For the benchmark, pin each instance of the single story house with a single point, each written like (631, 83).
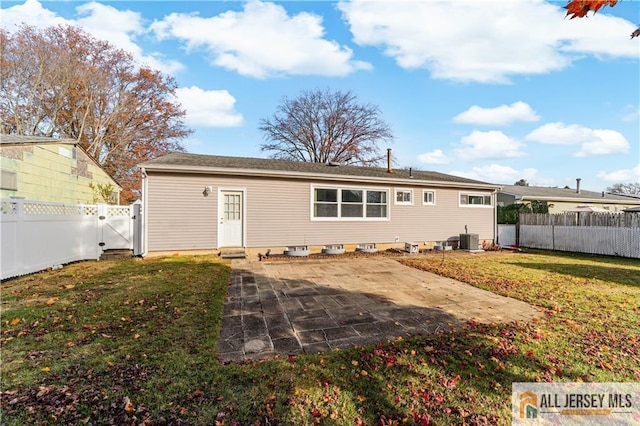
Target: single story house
(203, 202)
(47, 169)
(560, 200)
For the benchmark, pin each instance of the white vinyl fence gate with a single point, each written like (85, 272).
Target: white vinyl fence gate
(37, 235)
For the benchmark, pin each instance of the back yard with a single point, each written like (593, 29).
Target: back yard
(134, 342)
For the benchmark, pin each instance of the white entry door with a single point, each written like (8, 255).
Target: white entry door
(231, 219)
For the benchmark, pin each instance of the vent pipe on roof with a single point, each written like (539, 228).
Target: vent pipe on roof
(389, 168)
(578, 185)
(410, 172)
(602, 194)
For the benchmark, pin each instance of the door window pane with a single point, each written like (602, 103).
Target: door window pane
(232, 207)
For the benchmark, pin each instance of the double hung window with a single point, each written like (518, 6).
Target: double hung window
(475, 200)
(349, 203)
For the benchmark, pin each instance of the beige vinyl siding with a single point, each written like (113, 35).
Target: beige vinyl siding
(179, 217)
(278, 213)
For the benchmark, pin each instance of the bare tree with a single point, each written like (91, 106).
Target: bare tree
(326, 126)
(625, 188)
(521, 182)
(62, 82)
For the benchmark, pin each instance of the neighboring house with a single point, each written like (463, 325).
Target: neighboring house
(47, 169)
(562, 200)
(195, 202)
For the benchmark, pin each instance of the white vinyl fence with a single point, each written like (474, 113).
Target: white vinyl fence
(37, 235)
(606, 234)
(507, 235)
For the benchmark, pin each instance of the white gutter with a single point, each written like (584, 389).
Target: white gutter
(314, 176)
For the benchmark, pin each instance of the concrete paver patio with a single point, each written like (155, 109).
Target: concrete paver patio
(288, 307)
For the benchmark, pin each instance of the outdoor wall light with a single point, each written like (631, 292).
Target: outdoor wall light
(207, 191)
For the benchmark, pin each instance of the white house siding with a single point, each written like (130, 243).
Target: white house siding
(278, 214)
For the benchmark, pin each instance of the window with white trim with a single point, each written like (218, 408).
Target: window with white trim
(8, 180)
(377, 204)
(352, 203)
(349, 204)
(475, 200)
(428, 198)
(325, 202)
(404, 197)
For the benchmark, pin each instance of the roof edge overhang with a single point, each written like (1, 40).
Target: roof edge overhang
(168, 168)
(578, 200)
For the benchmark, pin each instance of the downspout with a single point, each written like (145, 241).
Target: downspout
(144, 213)
(494, 195)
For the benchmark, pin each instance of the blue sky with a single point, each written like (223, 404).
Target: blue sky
(488, 89)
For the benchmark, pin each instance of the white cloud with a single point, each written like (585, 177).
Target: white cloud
(496, 173)
(592, 141)
(118, 27)
(621, 176)
(262, 41)
(208, 108)
(30, 12)
(605, 142)
(559, 134)
(488, 145)
(484, 41)
(434, 157)
(502, 115)
(632, 114)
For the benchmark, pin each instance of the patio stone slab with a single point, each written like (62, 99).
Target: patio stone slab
(283, 308)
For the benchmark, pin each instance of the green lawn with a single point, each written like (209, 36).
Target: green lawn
(134, 342)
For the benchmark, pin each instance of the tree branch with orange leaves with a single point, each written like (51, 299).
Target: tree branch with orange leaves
(580, 9)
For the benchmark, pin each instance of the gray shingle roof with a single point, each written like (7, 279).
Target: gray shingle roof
(15, 139)
(533, 192)
(184, 161)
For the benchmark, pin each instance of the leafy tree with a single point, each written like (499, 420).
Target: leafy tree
(625, 188)
(521, 182)
(580, 9)
(539, 206)
(326, 126)
(510, 214)
(102, 192)
(62, 82)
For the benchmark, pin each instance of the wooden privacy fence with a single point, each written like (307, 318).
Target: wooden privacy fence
(614, 234)
(36, 235)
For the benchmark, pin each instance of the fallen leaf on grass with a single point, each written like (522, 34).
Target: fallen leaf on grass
(128, 405)
(46, 369)
(51, 301)
(14, 321)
